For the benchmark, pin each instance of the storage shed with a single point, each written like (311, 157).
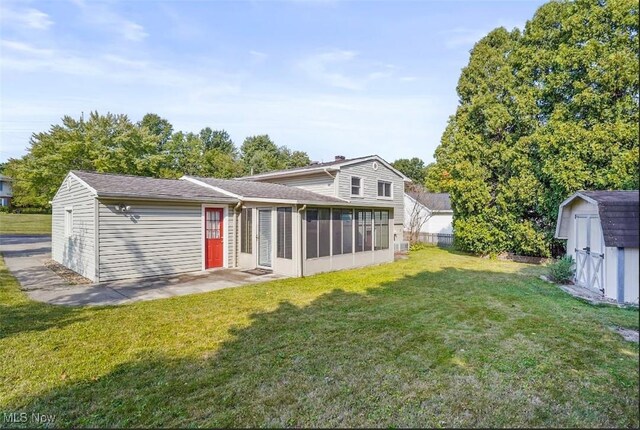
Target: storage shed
(602, 233)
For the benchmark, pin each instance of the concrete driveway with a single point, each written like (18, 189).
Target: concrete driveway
(25, 257)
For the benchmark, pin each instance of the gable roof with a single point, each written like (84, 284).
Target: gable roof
(619, 213)
(259, 191)
(435, 202)
(330, 166)
(112, 185)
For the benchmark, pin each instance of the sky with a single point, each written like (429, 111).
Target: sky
(327, 77)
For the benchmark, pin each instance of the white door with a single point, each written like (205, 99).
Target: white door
(589, 252)
(264, 237)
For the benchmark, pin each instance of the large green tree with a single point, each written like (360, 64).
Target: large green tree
(541, 114)
(413, 168)
(260, 154)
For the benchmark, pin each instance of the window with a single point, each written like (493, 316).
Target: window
(246, 236)
(364, 233)
(384, 189)
(381, 229)
(284, 233)
(68, 222)
(342, 220)
(1, 185)
(356, 186)
(318, 233)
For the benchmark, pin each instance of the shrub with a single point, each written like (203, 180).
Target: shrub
(561, 270)
(417, 246)
(4, 209)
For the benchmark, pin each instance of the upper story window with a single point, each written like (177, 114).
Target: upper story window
(356, 186)
(384, 189)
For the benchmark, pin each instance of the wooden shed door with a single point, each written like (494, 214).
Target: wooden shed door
(589, 252)
(213, 234)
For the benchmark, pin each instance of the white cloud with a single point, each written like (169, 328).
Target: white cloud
(100, 14)
(459, 37)
(30, 18)
(25, 49)
(324, 68)
(258, 57)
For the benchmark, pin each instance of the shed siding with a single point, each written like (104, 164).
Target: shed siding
(370, 179)
(631, 274)
(152, 239)
(76, 252)
(318, 183)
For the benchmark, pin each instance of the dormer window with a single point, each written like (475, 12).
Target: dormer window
(356, 186)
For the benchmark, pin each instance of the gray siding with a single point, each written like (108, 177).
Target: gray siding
(152, 239)
(318, 183)
(76, 252)
(370, 178)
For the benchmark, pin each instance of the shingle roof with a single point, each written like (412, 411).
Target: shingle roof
(264, 190)
(619, 216)
(111, 185)
(432, 201)
(335, 164)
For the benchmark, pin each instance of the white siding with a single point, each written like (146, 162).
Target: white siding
(77, 252)
(577, 207)
(318, 183)
(151, 239)
(433, 222)
(631, 274)
(370, 179)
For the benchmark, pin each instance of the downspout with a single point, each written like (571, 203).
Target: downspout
(236, 211)
(620, 275)
(301, 241)
(327, 172)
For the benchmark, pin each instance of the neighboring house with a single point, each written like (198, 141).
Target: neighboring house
(108, 227)
(6, 191)
(427, 212)
(602, 233)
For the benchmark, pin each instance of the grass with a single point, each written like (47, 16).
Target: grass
(440, 339)
(25, 224)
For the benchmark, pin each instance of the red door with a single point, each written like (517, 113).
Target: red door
(213, 246)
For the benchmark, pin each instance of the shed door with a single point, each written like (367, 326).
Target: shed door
(213, 234)
(589, 252)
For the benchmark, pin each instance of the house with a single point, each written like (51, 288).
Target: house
(6, 191)
(602, 233)
(427, 212)
(108, 227)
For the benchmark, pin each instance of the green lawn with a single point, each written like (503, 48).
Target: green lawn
(440, 339)
(25, 224)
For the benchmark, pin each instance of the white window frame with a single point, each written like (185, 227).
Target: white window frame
(68, 221)
(361, 186)
(390, 197)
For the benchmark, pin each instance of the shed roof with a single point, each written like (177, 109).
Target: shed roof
(437, 202)
(112, 185)
(247, 190)
(619, 213)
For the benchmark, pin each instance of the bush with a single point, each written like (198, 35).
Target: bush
(4, 209)
(562, 270)
(417, 246)
(32, 210)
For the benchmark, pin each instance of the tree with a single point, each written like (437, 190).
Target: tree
(260, 154)
(413, 168)
(157, 126)
(415, 212)
(541, 115)
(104, 143)
(217, 139)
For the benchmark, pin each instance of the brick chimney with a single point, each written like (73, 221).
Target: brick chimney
(340, 158)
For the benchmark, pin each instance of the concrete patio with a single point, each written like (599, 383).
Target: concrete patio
(25, 257)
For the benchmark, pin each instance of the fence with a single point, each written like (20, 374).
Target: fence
(439, 239)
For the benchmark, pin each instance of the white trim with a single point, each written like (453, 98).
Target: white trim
(390, 190)
(564, 204)
(83, 183)
(68, 222)
(204, 184)
(361, 194)
(225, 235)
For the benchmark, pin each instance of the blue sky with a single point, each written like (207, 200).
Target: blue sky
(326, 77)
